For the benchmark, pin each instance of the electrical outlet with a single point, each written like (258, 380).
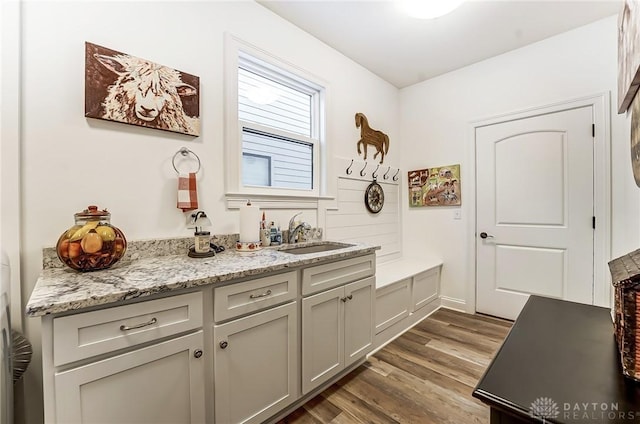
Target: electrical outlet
(457, 214)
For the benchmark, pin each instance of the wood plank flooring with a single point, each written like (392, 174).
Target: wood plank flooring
(425, 376)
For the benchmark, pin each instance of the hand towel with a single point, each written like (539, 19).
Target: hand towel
(187, 192)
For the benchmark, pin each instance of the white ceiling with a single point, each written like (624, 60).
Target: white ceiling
(404, 50)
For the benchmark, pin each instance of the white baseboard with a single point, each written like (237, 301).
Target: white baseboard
(453, 303)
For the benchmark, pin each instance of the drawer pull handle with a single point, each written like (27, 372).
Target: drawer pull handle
(133, 327)
(256, 296)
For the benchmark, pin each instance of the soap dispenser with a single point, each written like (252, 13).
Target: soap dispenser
(202, 239)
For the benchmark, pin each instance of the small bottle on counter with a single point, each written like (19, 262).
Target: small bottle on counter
(265, 237)
(202, 241)
(276, 235)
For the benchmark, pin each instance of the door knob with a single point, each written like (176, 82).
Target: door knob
(485, 235)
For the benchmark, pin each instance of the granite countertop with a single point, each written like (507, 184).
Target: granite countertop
(63, 289)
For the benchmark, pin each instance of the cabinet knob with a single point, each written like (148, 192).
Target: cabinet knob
(344, 299)
(224, 344)
(197, 353)
(350, 297)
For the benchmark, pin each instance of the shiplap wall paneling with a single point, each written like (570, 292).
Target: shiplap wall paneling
(352, 222)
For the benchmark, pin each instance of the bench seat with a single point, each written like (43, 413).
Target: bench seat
(407, 291)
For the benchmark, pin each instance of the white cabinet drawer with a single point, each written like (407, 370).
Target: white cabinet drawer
(323, 277)
(251, 296)
(93, 333)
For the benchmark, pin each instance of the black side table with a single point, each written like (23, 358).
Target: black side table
(559, 364)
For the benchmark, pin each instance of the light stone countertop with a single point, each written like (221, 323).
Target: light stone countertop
(63, 289)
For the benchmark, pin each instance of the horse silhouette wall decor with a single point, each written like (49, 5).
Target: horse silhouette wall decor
(368, 135)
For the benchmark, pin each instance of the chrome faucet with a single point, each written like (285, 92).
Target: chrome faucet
(294, 230)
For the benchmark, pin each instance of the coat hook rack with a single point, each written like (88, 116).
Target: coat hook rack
(385, 174)
(373, 174)
(395, 177)
(362, 173)
(349, 171)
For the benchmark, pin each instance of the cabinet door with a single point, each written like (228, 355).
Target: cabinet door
(162, 383)
(256, 363)
(322, 337)
(392, 304)
(425, 288)
(359, 319)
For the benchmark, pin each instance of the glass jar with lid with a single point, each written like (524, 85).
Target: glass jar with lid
(92, 243)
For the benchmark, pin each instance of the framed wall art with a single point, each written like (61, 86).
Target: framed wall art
(435, 186)
(635, 139)
(628, 53)
(127, 89)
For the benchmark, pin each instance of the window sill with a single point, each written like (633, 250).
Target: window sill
(275, 201)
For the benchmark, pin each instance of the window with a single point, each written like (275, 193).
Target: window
(278, 114)
(288, 164)
(275, 122)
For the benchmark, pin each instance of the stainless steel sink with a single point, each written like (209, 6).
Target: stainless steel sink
(314, 248)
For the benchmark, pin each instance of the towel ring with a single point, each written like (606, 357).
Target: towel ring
(184, 152)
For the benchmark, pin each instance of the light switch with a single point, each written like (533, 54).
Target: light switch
(457, 214)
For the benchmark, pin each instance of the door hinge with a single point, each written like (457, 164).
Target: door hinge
(593, 222)
(593, 130)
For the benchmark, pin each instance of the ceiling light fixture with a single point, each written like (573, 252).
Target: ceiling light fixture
(428, 9)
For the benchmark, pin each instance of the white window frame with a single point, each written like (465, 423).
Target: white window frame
(236, 192)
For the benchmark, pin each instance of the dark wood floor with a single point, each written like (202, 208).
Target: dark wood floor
(425, 376)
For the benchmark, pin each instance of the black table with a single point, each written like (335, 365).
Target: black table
(559, 362)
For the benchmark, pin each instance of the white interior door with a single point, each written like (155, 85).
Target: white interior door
(535, 202)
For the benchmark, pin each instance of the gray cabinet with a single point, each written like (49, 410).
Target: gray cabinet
(132, 363)
(238, 352)
(337, 330)
(161, 383)
(256, 365)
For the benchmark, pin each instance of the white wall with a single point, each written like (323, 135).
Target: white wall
(70, 161)
(436, 117)
(10, 148)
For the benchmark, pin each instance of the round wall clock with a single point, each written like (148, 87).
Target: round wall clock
(374, 197)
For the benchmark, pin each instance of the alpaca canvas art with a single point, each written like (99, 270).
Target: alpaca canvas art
(124, 88)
